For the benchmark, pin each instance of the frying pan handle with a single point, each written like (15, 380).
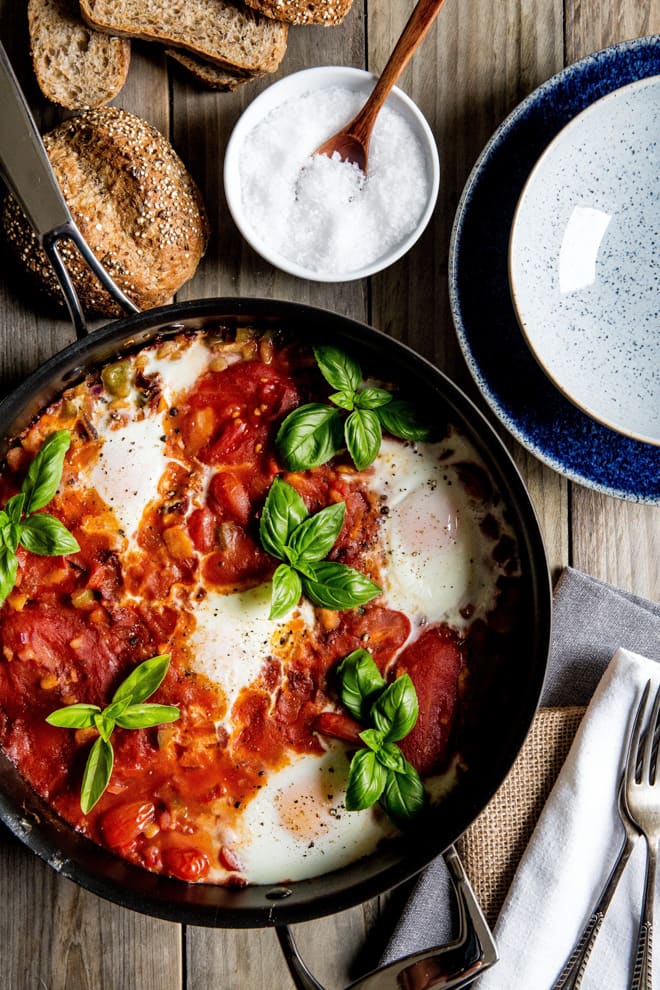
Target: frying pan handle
(447, 967)
(26, 169)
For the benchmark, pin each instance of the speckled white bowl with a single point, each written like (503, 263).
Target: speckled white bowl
(584, 260)
(296, 85)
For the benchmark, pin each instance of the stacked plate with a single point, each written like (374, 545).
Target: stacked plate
(554, 272)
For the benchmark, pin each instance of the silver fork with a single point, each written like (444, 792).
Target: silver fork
(572, 974)
(643, 803)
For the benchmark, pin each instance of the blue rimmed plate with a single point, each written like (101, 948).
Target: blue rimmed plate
(513, 384)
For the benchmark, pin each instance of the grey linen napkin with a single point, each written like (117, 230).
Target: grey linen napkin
(591, 621)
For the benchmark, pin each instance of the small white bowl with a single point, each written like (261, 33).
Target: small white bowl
(295, 86)
(583, 260)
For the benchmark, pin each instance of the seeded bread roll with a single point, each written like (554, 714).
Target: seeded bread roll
(134, 202)
(327, 12)
(211, 76)
(224, 33)
(75, 66)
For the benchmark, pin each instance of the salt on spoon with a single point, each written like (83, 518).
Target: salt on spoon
(351, 144)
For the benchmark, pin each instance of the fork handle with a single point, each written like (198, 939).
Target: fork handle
(642, 978)
(572, 974)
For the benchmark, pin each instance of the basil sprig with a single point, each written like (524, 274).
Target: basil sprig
(128, 710)
(380, 772)
(22, 523)
(313, 433)
(301, 542)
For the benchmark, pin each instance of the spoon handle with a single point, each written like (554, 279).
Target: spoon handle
(411, 37)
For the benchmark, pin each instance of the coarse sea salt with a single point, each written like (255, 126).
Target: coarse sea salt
(324, 214)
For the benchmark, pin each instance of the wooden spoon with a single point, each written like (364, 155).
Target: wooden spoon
(352, 142)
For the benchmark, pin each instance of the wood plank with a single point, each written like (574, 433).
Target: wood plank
(591, 25)
(617, 541)
(55, 934)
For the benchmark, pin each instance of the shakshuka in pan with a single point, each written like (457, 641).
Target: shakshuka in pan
(246, 589)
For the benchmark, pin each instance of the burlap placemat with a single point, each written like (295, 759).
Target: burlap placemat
(493, 845)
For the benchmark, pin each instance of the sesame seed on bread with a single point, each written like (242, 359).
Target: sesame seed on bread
(134, 202)
(75, 66)
(227, 34)
(327, 12)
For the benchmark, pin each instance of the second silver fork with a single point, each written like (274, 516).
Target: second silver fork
(642, 792)
(573, 972)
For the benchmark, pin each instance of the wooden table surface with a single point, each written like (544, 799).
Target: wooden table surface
(479, 60)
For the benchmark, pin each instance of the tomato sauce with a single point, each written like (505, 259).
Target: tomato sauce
(75, 626)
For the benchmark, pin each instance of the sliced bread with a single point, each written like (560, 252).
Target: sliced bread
(134, 202)
(217, 31)
(327, 12)
(209, 75)
(75, 66)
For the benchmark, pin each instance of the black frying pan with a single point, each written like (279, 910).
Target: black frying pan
(507, 710)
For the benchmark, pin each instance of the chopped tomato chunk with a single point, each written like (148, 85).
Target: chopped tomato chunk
(122, 824)
(186, 863)
(434, 661)
(339, 726)
(202, 527)
(229, 495)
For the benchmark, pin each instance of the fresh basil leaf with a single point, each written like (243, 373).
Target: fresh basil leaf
(401, 420)
(315, 537)
(366, 781)
(10, 536)
(338, 586)
(360, 680)
(403, 796)
(303, 567)
(8, 571)
(373, 739)
(391, 756)
(287, 589)
(309, 436)
(14, 507)
(364, 436)
(283, 512)
(144, 716)
(339, 369)
(395, 711)
(117, 708)
(78, 716)
(345, 399)
(96, 777)
(45, 535)
(104, 725)
(372, 398)
(45, 471)
(143, 680)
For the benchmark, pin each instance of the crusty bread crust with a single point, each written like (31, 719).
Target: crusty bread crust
(229, 35)
(209, 75)
(327, 12)
(76, 66)
(134, 202)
